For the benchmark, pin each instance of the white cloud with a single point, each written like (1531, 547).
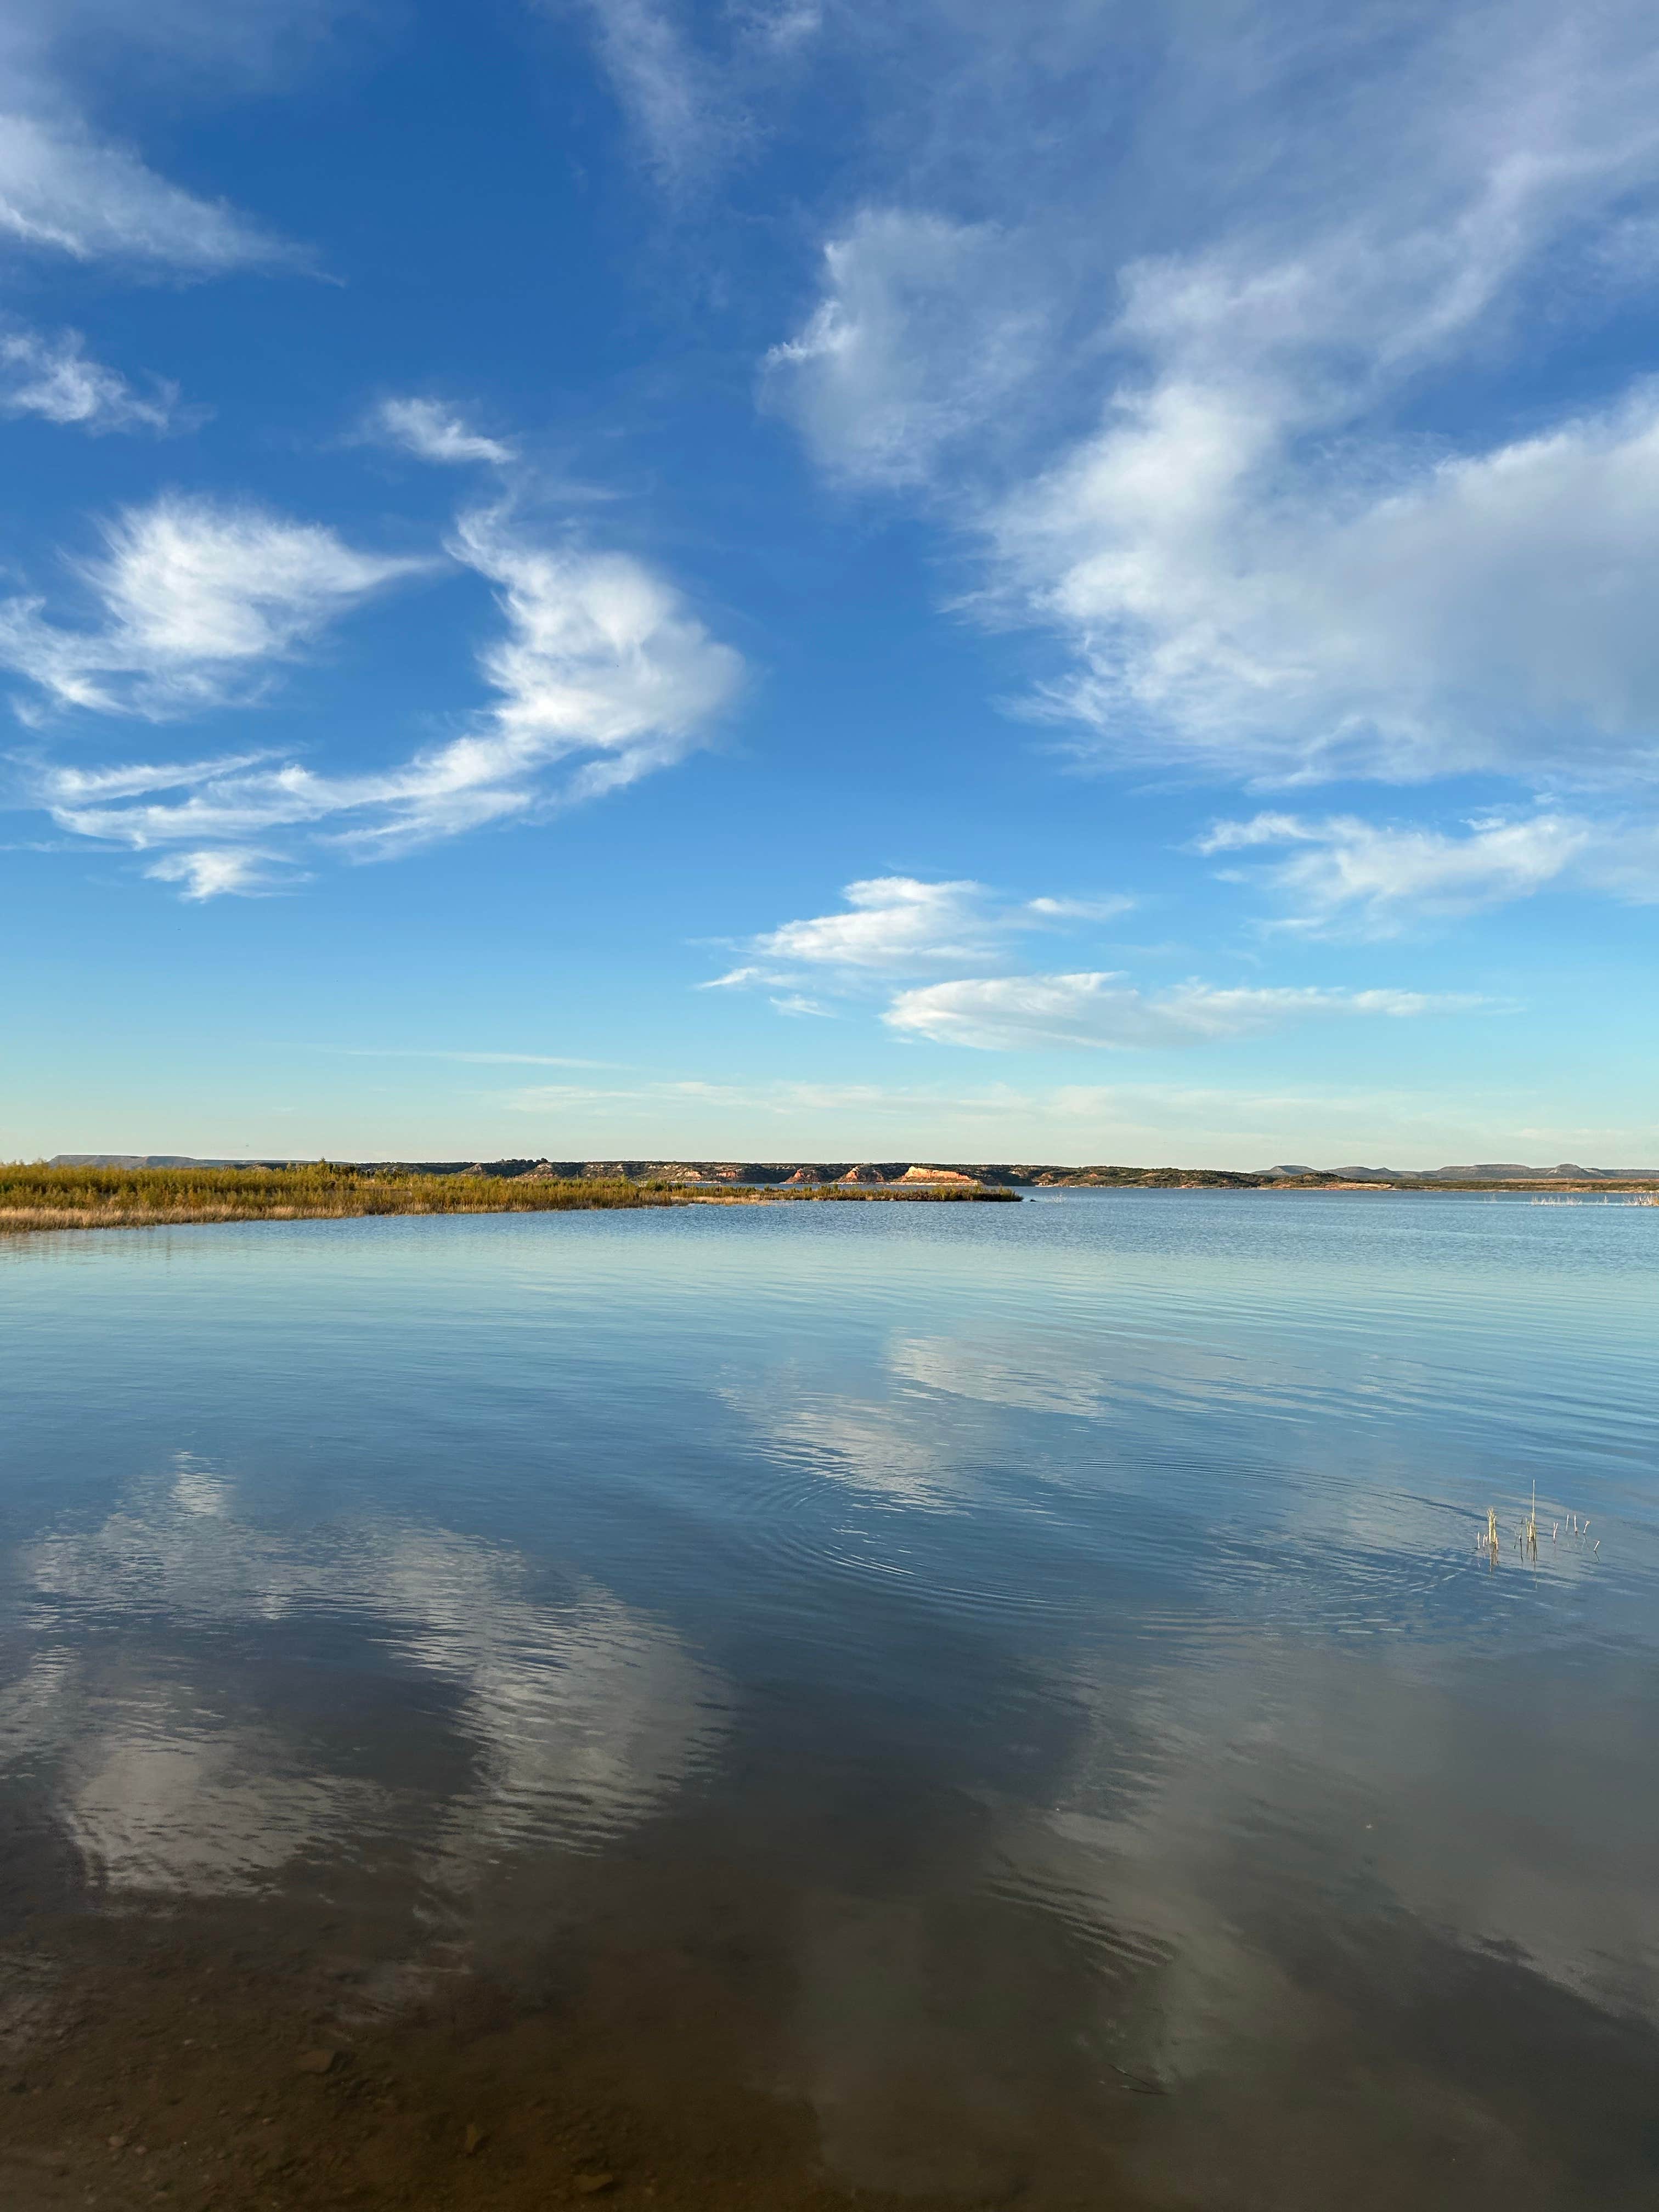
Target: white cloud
(697, 87)
(601, 671)
(1161, 382)
(670, 95)
(1100, 1009)
(895, 921)
(1344, 873)
(133, 778)
(63, 190)
(1075, 909)
(898, 924)
(197, 597)
(737, 979)
(209, 873)
(54, 377)
(432, 432)
(600, 654)
(921, 330)
(67, 187)
(1492, 612)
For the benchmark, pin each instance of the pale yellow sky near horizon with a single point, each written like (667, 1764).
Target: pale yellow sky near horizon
(1128, 1125)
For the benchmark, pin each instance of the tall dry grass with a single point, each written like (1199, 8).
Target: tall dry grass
(39, 1197)
(42, 1197)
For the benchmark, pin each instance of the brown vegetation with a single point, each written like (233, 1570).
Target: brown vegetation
(111, 1197)
(48, 1197)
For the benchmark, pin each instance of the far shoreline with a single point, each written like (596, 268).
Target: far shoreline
(67, 1195)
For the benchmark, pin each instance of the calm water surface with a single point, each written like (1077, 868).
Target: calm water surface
(1063, 1625)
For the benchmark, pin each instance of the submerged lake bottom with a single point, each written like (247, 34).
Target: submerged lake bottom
(804, 1705)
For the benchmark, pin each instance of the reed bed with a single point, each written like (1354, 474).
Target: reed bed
(40, 1197)
(1525, 1532)
(127, 1198)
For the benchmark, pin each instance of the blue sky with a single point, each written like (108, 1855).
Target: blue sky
(1066, 582)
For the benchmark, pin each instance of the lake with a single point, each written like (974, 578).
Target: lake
(755, 1705)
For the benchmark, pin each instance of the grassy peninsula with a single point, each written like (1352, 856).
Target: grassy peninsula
(36, 1197)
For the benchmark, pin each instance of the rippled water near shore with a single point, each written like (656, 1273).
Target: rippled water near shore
(1010, 1700)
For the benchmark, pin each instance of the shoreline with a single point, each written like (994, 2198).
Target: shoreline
(53, 1221)
(36, 1201)
(52, 1199)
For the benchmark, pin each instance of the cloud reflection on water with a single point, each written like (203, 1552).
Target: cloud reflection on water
(1322, 1887)
(561, 1722)
(821, 1428)
(1326, 1805)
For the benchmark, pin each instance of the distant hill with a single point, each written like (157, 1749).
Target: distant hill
(1485, 1171)
(1004, 1173)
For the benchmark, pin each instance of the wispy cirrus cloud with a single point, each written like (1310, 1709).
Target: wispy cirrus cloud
(1104, 1009)
(674, 97)
(1161, 392)
(434, 432)
(213, 873)
(695, 84)
(65, 191)
(51, 376)
(1344, 875)
(70, 188)
(601, 675)
(195, 599)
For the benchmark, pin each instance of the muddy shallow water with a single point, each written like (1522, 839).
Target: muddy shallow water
(955, 1705)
